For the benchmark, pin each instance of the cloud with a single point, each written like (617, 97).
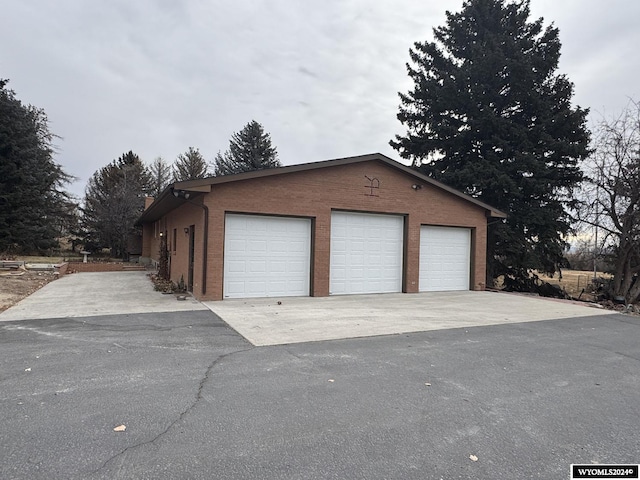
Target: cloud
(158, 76)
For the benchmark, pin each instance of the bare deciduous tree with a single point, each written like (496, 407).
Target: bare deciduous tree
(613, 193)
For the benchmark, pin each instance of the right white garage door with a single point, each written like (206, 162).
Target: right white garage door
(445, 258)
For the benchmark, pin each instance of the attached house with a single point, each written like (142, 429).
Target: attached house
(356, 225)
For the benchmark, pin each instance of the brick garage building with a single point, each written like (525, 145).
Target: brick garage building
(365, 224)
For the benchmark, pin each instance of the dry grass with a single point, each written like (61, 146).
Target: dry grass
(574, 281)
(571, 281)
(14, 288)
(39, 259)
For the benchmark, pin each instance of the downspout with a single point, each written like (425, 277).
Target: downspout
(205, 241)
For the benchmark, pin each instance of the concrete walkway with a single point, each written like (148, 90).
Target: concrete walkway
(91, 294)
(305, 319)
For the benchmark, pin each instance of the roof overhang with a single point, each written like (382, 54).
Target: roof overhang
(170, 199)
(179, 193)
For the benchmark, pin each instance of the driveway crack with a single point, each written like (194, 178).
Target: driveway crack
(183, 414)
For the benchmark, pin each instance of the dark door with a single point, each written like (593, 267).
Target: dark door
(192, 237)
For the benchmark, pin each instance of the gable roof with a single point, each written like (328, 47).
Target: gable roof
(168, 200)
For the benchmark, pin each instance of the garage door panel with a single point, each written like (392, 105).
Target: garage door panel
(445, 258)
(338, 275)
(296, 229)
(296, 247)
(366, 253)
(356, 245)
(266, 256)
(257, 225)
(237, 266)
(236, 245)
(278, 246)
(357, 259)
(276, 286)
(299, 268)
(339, 261)
(375, 249)
(254, 288)
(234, 288)
(257, 266)
(278, 266)
(389, 261)
(357, 274)
(257, 246)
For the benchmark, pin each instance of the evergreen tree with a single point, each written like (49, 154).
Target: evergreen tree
(489, 115)
(249, 149)
(160, 172)
(34, 208)
(114, 200)
(190, 165)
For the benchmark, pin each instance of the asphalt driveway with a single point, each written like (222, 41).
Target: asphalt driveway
(198, 401)
(523, 399)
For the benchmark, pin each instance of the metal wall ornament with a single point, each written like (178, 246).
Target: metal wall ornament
(373, 189)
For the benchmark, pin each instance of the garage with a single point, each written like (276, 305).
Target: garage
(266, 256)
(366, 253)
(349, 225)
(445, 258)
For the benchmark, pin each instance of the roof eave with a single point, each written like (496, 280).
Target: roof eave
(165, 202)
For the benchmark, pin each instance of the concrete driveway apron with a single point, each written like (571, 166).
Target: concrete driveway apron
(91, 294)
(275, 321)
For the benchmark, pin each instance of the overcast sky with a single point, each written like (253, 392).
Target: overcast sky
(159, 76)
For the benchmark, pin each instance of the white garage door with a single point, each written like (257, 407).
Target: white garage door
(445, 258)
(266, 256)
(366, 253)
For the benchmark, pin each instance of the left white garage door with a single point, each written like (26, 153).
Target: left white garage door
(266, 256)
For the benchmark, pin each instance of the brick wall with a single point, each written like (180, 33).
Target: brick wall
(179, 220)
(314, 194)
(62, 268)
(96, 267)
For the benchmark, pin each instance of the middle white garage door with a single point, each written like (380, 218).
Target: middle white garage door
(266, 256)
(366, 253)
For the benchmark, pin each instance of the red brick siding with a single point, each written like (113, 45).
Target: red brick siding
(96, 267)
(62, 268)
(147, 238)
(180, 218)
(313, 194)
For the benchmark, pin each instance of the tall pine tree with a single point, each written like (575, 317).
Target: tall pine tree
(114, 200)
(34, 208)
(160, 172)
(489, 115)
(249, 149)
(190, 165)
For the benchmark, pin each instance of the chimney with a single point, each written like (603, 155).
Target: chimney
(147, 202)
